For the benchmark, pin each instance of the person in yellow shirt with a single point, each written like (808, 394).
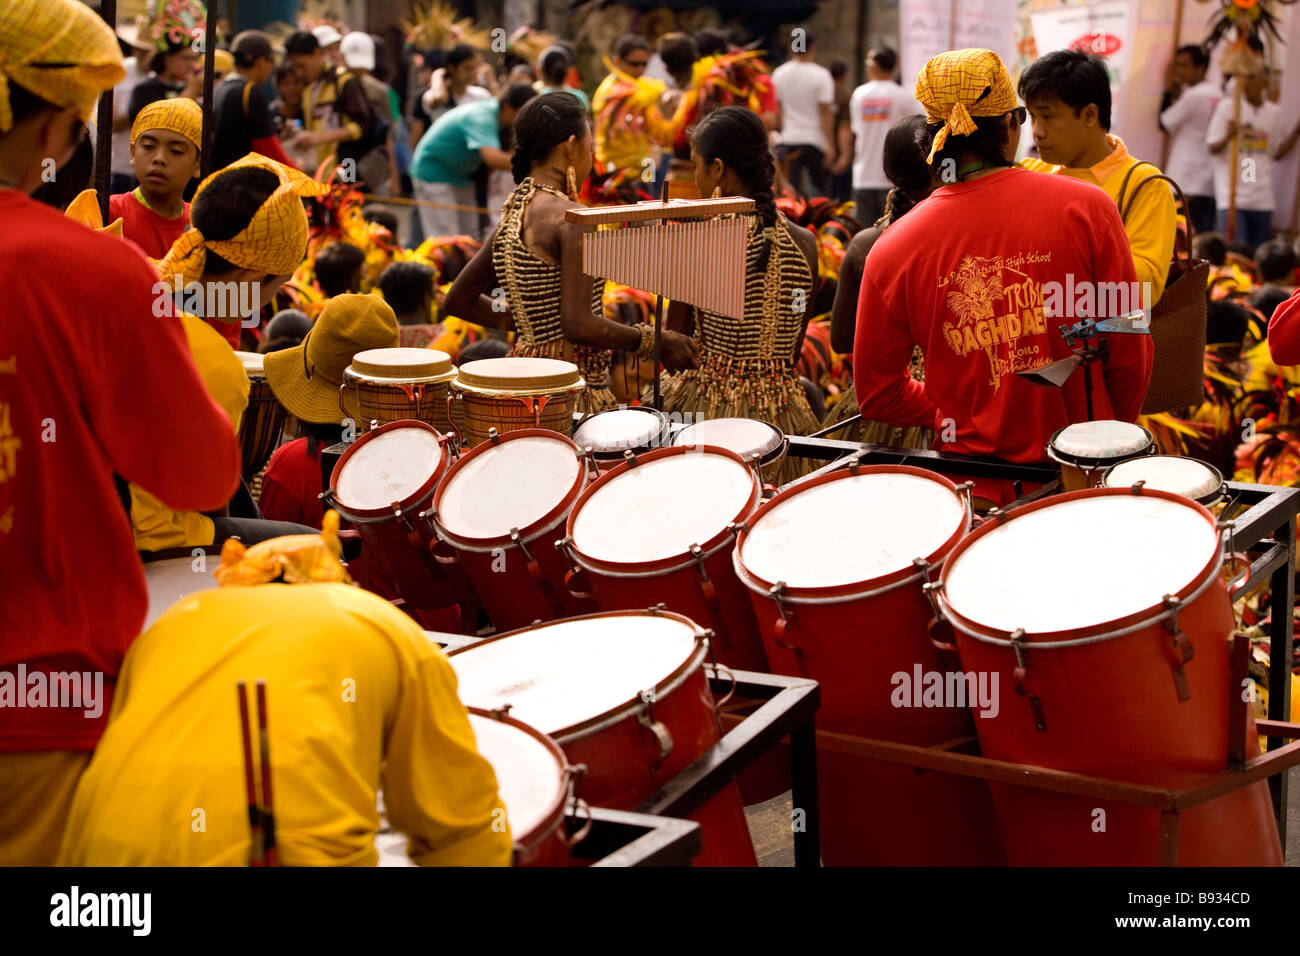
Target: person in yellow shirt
(359, 700)
(1067, 93)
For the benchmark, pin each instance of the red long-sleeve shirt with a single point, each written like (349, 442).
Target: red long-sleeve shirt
(91, 383)
(964, 275)
(1284, 332)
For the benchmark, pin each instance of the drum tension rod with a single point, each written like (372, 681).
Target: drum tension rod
(663, 735)
(1180, 646)
(931, 590)
(1137, 487)
(1035, 705)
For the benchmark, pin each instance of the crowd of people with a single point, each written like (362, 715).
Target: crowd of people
(916, 307)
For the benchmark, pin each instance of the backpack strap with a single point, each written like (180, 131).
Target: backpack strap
(248, 92)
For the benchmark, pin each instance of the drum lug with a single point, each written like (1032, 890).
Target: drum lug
(1137, 487)
(329, 496)
(932, 590)
(966, 491)
(657, 609)
(629, 456)
(706, 586)
(1180, 649)
(499, 713)
(663, 735)
(563, 546)
(779, 631)
(493, 435)
(1018, 675)
(738, 526)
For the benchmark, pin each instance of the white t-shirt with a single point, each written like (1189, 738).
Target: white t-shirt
(1259, 136)
(802, 89)
(1187, 119)
(873, 108)
(121, 159)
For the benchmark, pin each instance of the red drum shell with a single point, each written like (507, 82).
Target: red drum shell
(497, 569)
(1111, 709)
(853, 646)
(675, 581)
(620, 753)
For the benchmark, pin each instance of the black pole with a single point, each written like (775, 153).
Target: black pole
(209, 69)
(104, 126)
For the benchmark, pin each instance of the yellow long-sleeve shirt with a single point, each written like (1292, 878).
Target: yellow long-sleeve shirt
(625, 138)
(1151, 224)
(358, 697)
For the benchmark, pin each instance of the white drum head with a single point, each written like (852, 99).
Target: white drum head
(852, 530)
(1029, 572)
(617, 430)
(172, 580)
(388, 467)
(510, 485)
(1181, 476)
(659, 508)
(566, 673)
(1104, 439)
(529, 780)
(253, 363)
(745, 436)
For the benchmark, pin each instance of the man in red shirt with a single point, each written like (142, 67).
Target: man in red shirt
(165, 141)
(80, 403)
(981, 275)
(1284, 332)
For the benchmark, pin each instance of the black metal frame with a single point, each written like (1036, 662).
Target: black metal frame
(634, 839)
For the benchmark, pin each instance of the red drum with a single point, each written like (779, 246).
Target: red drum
(1086, 609)
(624, 693)
(609, 434)
(380, 485)
(501, 508)
(659, 529)
(835, 567)
(172, 580)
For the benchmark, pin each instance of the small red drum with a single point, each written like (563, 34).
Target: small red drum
(380, 485)
(1104, 618)
(608, 435)
(501, 508)
(1182, 476)
(627, 695)
(392, 385)
(659, 529)
(262, 426)
(514, 392)
(835, 566)
(747, 437)
(171, 580)
(1086, 449)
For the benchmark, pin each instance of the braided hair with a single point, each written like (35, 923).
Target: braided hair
(543, 123)
(905, 166)
(737, 136)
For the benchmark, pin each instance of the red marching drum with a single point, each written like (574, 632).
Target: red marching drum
(835, 567)
(1105, 619)
(380, 485)
(501, 508)
(659, 529)
(627, 695)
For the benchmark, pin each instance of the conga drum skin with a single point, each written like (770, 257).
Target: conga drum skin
(501, 508)
(627, 695)
(609, 434)
(1105, 616)
(512, 393)
(831, 565)
(659, 529)
(1083, 451)
(380, 486)
(747, 437)
(1173, 473)
(263, 423)
(392, 385)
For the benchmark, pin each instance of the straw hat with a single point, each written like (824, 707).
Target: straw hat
(306, 378)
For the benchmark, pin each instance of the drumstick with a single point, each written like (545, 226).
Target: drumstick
(271, 853)
(255, 849)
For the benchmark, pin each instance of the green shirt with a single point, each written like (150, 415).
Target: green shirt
(449, 151)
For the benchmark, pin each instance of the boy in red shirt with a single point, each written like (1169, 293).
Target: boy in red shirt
(165, 141)
(974, 276)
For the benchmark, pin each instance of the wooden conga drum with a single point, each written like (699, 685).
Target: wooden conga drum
(512, 393)
(263, 423)
(393, 385)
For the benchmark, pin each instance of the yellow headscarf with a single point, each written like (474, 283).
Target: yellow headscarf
(274, 241)
(959, 84)
(180, 115)
(37, 34)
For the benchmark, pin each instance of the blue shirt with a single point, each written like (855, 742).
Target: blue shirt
(449, 151)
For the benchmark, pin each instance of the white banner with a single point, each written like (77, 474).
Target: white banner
(926, 28)
(1101, 28)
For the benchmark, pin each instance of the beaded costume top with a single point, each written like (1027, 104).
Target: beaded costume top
(533, 285)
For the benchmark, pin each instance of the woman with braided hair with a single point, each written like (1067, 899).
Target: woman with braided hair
(906, 168)
(528, 277)
(747, 366)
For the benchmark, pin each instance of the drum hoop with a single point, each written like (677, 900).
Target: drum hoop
(620, 712)
(535, 837)
(1145, 618)
(1094, 463)
(1207, 499)
(683, 559)
(524, 392)
(844, 592)
(655, 441)
(529, 533)
(411, 501)
(355, 380)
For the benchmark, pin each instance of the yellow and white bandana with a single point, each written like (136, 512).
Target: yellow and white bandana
(181, 115)
(960, 84)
